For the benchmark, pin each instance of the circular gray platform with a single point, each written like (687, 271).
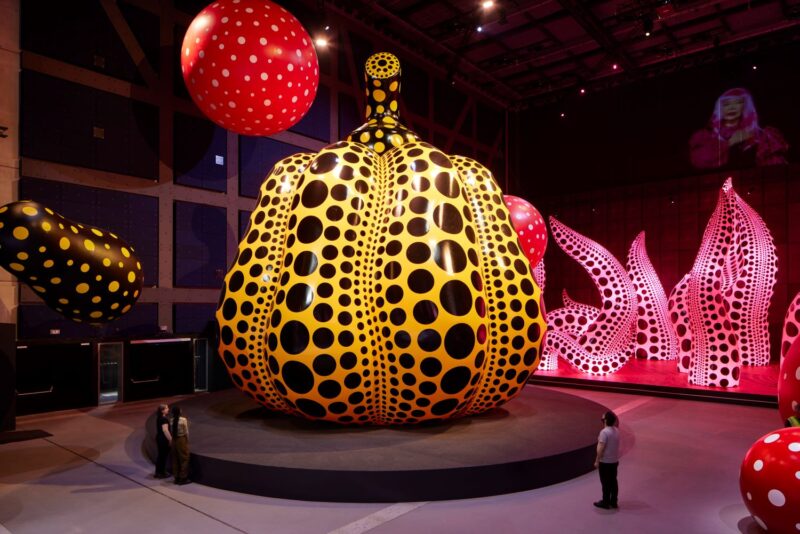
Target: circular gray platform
(542, 437)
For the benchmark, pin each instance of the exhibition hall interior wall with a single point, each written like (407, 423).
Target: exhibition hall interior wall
(620, 161)
(110, 137)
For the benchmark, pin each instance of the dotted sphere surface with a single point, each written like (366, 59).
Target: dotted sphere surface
(250, 66)
(769, 481)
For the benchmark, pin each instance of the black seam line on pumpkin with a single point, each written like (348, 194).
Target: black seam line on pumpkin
(481, 235)
(281, 255)
(154, 490)
(382, 191)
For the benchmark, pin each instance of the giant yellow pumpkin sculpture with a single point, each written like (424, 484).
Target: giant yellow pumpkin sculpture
(380, 281)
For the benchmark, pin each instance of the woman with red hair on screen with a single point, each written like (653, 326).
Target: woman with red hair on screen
(734, 138)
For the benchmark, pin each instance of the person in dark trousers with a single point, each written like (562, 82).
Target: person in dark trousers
(607, 460)
(163, 440)
(180, 447)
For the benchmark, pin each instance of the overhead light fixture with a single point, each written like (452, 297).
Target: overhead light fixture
(614, 66)
(479, 29)
(321, 42)
(755, 67)
(487, 4)
(647, 25)
(563, 114)
(583, 91)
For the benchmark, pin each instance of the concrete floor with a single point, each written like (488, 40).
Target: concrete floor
(679, 474)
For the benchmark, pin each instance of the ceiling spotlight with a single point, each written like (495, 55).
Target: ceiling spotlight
(487, 4)
(321, 42)
(647, 25)
(327, 28)
(755, 67)
(563, 114)
(583, 91)
(614, 66)
(479, 29)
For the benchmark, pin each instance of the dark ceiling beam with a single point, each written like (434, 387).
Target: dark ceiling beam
(522, 28)
(416, 42)
(787, 33)
(591, 25)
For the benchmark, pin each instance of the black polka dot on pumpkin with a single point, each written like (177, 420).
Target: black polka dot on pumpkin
(420, 281)
(459, 341)
(429, 340)
(455, 380)
(236, 281)
(418, 205)
(309, 229)
(334, 213)
(532, 309)
(325, 163)
(329, 389)
(455, 297)
(323, 337)
(306, 263)
(447, 217)
(418, 226)
(440, 159)
(425, 312)
(314, 194)
(311, 408)
(348, 360)
(449, 256)
(394, 294)
(446, 185)
(323, 312)
(431, 367)
(229, 309)
(397, 316)
(444, 407)
(418, 252)
(294, 337)
(324, 364)
(297, 377)
(299, 297)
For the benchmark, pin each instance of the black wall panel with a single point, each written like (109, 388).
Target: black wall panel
(317, 121)
(244, 222)
(49, 29)
(200, 241)
(200, 153)
(56, 376)
(78, 125)
(132, 217)
(257, 156)
(37, 321)
(8, 395)
(158, 369)
(193, 318)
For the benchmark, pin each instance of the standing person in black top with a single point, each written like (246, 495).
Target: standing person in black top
(163, 440)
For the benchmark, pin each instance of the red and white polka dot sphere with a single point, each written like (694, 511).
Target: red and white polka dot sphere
(530, 227)
(770, 481)
(250, 66)
(789, 381)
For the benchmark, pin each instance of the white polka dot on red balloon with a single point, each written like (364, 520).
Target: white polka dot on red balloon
(758, 465)
(776, 497)
(772, 438)
(794, 447)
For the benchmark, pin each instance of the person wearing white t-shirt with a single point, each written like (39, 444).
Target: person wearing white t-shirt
(607, 460)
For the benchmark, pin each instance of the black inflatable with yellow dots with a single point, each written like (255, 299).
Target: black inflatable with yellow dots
(85, 273)
(380, 281)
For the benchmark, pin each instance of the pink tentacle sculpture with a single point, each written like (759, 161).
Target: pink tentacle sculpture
(791, 325)
(749, 298)
(678, 308)
(655, 338)
(716, 360)
(606, 344)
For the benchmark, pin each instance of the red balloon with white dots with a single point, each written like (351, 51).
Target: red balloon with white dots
(250, 66)
(770, 481)
(530, 227)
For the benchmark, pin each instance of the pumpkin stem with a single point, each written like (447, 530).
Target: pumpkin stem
(382, 76)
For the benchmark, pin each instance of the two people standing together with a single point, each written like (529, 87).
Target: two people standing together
(172, 434)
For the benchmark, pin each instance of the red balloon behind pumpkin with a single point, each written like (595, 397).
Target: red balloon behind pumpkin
(530, 227)
(250, 66)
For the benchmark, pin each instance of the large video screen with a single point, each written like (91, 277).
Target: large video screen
(732, 114)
